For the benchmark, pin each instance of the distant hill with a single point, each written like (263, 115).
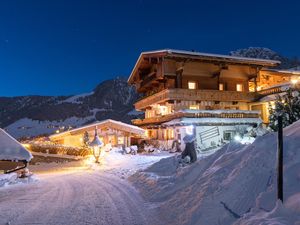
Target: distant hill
(35, 115)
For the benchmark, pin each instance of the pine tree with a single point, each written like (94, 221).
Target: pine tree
(86, 138)
(287, 105)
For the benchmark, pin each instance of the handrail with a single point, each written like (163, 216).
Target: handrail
(194, 95)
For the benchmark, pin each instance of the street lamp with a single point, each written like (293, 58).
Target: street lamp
(280, 159)
(96, 146)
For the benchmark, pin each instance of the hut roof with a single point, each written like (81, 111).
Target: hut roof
(11, 149)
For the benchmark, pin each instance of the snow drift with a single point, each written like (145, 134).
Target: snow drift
(11, 149)
(235, 185)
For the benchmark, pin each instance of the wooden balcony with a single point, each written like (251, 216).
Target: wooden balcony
(202, 114)
(194, 95)
(156, 120)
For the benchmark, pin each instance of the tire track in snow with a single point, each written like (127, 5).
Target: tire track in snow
(77, 198)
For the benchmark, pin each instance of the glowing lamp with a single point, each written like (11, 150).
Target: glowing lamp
(189, 130)
(237, 138)
(96, 146)
(294, 81)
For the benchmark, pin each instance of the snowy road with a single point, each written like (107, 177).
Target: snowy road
(82, 197)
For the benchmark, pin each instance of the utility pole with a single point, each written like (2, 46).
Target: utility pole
(280, 159)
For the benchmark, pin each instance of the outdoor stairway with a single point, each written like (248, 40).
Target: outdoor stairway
(208, 134)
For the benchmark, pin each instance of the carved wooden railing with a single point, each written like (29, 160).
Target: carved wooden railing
(195, 95)
(166, 118)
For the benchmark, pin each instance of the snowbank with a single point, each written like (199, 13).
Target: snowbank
(11, 149)
(12, 178)
(237, 184)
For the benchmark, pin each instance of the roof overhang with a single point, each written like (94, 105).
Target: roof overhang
(202, 57)
(105, 123)
(280, 72)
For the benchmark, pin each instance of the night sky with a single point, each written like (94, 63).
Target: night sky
(60, 47)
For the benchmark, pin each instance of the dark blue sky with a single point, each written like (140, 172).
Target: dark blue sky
(62, 47)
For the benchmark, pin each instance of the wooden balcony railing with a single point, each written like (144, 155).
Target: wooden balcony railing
(166, 118)
(194, 95)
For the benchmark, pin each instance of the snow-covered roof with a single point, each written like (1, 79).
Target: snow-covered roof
(11, 149)
(206, 56)
(187, 121)
(133, 129)
(285, 72)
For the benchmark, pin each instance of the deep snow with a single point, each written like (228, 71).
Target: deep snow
(79, 192)
(235, 185)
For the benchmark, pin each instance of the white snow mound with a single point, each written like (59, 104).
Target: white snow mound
(11, 149)
(235, 185)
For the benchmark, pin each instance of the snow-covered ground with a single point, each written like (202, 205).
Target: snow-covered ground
(79, 192)
(235, 185)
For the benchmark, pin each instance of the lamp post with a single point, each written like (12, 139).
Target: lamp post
(96, 146)
(280, 159)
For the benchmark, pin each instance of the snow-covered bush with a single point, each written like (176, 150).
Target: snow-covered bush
(287, 105)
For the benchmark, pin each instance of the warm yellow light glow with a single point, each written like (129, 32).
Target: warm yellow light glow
(170, 134)
(120, 140)
(272, 104)
(294, 81)
(26, 145)
(239, 87)
(194, 107)
(192, 85)
(221, 86)
(163, 110)
(57, 131)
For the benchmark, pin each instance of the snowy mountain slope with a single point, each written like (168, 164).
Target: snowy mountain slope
(237, 184)
(35, 115)
(266, 53)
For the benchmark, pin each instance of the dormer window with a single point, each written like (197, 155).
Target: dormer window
(192, 85)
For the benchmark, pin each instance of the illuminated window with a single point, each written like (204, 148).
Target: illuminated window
(221, 86)
(239, 87)
(192, 85)
(194, 107)
(163, 110)
(171, 133)
(120, 140)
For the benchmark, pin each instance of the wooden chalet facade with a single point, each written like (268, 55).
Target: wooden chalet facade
(110, 132)
(181, 88)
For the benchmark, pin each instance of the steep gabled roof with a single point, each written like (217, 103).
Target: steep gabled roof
(204, 57)
(11, 149)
